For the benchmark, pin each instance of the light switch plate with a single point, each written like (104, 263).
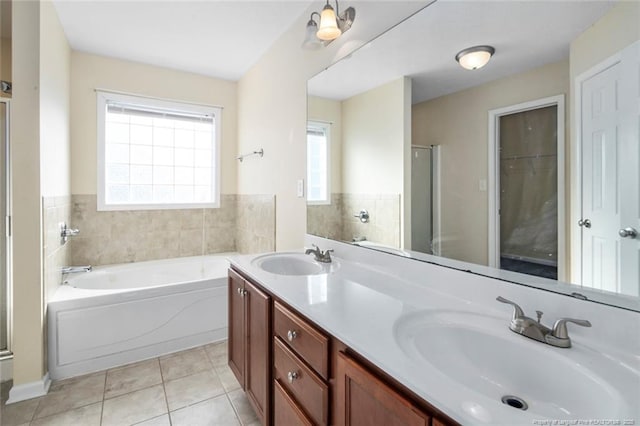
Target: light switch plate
(483, 185)
(300, 191)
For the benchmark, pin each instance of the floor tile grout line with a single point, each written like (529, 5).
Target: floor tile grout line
(164, 392)
(104, 394)
(233, 407)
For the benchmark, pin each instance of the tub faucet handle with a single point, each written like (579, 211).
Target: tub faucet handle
(66, 232)
(76, 269)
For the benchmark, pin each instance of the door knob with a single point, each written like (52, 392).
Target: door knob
(628, 232)
(586, 223)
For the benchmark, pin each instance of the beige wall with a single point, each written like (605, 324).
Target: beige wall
(55, 65)
(89, 72)
(27, 230)
(40, 164)
(459, 124)
(328, 110)
(373, 140)
(612, 33)
(273, 113)
(5, 62)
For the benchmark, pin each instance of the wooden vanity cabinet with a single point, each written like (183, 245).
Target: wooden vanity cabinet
(296, 374)
(249, 342)
(362, 398)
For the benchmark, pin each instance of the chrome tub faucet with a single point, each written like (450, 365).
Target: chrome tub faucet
(76, 269)
(319, 255)
(557, 336)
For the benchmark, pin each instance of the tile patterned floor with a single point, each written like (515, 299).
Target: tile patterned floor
(191, 388)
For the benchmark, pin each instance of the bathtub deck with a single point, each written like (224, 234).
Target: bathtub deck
(183, 387)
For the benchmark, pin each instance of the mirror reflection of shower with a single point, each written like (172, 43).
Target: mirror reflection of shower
(425, 216)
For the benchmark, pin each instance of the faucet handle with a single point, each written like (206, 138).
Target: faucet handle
(560, 327)
(517, 310)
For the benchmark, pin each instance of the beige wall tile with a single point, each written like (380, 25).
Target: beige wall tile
(244, 223)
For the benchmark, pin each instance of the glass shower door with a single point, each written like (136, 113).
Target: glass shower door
(5, 290)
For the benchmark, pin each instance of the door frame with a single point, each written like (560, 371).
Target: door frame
(6, 353)
(494, 181)
(576, 164)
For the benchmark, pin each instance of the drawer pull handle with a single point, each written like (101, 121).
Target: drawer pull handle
(292, 334)
(292, 375)
(242, 292)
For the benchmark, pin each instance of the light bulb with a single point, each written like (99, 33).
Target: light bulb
(328, 24)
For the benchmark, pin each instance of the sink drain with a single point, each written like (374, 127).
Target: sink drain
(515, 402)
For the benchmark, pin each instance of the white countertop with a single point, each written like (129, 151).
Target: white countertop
(362, 302)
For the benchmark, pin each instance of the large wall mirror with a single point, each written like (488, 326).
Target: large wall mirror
(525, 169)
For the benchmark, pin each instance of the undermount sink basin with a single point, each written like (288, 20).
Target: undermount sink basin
(480, 353)
(292, 264)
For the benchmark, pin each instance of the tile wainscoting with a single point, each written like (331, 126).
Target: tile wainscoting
(337, 222)
(243, 223)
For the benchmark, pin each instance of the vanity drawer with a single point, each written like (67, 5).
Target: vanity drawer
(311, 345)
(285, 409)
(309, 391)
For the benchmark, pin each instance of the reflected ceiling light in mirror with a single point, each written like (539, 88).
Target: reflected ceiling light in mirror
(475, 57)
(332, 25)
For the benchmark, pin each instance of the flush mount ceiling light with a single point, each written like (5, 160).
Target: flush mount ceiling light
(475, 57)
(332, 25)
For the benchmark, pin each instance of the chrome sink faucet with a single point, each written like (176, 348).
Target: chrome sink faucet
(557, 336)
(319, 255)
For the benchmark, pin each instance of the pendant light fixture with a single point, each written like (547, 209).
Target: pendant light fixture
(475, 57)
(332, 25)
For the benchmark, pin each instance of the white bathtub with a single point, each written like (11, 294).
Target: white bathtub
(119, 314)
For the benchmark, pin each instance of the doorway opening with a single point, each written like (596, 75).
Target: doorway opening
(526, 229)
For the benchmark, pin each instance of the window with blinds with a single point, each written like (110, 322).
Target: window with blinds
(156, 154)
(318, 144)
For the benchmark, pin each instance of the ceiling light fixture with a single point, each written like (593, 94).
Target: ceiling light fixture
(475, 57)
(332, 25)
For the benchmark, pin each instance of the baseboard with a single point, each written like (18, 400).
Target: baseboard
(6, 369)
(29, 390)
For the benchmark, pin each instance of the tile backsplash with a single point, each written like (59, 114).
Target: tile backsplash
(108, 237)
(55, 211)
(336, 220)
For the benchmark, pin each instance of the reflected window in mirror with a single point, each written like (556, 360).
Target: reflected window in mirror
(318, 146)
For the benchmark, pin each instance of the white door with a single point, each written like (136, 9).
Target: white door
(610, 160)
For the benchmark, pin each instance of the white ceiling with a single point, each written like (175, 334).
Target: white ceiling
(221, 39)
(525, 34)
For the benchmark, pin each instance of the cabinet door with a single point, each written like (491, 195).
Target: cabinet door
(363, 399)
(237, 326)
(258, 355)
